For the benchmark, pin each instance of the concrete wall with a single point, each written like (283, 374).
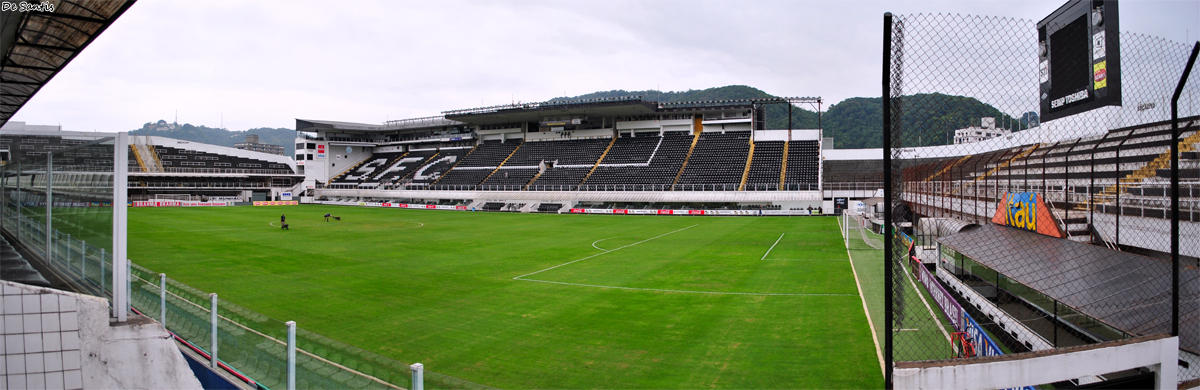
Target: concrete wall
(585, 196)
(1035, 368)
(54, 339)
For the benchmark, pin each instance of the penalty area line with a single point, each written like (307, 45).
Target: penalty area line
(866, 310)
(764, 257)
(606, 251)
(667, 290)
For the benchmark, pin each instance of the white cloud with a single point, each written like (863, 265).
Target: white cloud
(265, 63)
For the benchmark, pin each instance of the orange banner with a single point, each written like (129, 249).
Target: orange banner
(1027, 211)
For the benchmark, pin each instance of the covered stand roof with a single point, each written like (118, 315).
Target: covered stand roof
(389, 126)
(1128, 291)
(38, 43)
(532, 112)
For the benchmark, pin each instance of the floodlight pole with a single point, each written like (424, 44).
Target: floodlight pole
(49, 201)
(1175, 190)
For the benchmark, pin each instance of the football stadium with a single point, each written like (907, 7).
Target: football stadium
(630, 241)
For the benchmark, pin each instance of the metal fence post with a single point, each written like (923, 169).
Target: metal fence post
(418, 380)
(49, 208)
(213, 342)
(102, 281)
(128, 285)
(887, 198)
(291, 355)
(1175, 189)
(162, 299)
(83, 259)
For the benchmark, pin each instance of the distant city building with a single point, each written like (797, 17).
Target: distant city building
(161, 125)
(986, 130)
(252, 144)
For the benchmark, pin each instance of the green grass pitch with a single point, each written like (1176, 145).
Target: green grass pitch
(541, 301)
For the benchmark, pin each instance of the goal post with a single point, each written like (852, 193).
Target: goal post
(177, 197)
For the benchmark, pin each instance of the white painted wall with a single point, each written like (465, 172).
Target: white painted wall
(389, 149)
(54, 339)
(575, 134)
(1036, 368)
(585, 196)
(653, 124)
(781, 135)
(338, 160)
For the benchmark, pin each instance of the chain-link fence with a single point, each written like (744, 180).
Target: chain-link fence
(254, 346)
(1043, 235)
(56, 207)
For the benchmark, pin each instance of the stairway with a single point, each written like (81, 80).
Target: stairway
(783, 166)
(695, 139)
(948, 167)
(597, 164)
(541, 170)
(137, 156)
(510, 154)
(343, 173)
(1006, 163)
(746, 171)
(408, 176)
(387, 165)
(1186, 145)
(145, 155)
(464, 157)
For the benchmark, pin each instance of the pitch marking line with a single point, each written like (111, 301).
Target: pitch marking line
(523, 277)
(874, 337)
(764, 257)
(932, 316)
(605, 251)
(809, 260)
(597, 242)
(693, 291)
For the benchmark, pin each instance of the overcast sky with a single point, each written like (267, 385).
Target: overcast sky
(265, 63)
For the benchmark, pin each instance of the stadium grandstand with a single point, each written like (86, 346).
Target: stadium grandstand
(162, 168)
(561, 153)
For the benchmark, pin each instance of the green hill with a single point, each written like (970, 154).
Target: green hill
(221, 137)
(930, 119)
(802, 117)
(854, 122)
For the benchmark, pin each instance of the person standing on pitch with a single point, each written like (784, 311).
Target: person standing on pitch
(282, 220)
(326, 217)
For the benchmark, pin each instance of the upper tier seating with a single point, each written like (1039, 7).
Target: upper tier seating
(69, 154)
(764, 168)
(183, 159)
(643, 162)
(852, 171)
(476, 167)
(368, 169)
(567, 162)
(717, 162)
(433, 169)
(803, 165)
